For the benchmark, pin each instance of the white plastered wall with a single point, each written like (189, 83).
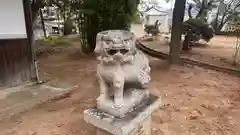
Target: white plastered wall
(12, 19)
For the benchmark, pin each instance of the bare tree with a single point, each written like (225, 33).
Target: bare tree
(227, 11)
(203, 7)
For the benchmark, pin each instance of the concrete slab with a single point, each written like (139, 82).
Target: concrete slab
(20, 99)
(128, 125)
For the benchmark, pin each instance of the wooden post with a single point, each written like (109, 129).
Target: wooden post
(30, 35)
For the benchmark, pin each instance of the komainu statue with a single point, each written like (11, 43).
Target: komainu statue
(125, 104)
(123, 71)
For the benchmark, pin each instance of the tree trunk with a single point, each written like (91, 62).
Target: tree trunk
(215, 25)
(176, 34)
(68, 26)
(186, 46)
(58, 21)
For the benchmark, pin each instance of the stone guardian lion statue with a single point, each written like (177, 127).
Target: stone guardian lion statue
(122, 67)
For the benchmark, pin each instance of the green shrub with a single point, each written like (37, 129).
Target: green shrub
(107, 14)
(54, 40)
(113, 14)
(136, 19)
(198, 28)
(194, 30)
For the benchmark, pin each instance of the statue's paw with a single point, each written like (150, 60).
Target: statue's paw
(102, 98)
(117, 84)
(144, 78)
(118, 105)
(147, 69)
(148, 78)
(118, 102)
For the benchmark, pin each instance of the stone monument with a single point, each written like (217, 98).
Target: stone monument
(125, 104)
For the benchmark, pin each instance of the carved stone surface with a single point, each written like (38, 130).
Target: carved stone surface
(132, 98)
(125, 105)
(137, 122)
(123, 72)
(142, 129)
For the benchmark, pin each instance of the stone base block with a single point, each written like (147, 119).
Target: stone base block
(131, 99)
(136, 122)
(142, 129)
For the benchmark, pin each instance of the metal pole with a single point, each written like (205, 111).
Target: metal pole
(43, 24)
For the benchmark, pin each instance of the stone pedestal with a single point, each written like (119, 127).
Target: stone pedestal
(136, 122)
(130, 100)
(142, 129)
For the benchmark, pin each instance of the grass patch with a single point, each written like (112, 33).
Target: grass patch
(54, 41)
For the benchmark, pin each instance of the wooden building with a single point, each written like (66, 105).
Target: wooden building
(16, 50)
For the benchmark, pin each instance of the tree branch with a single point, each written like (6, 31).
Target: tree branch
(35, 6)
(189, 11)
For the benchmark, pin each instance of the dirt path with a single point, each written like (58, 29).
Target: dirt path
(195, 100)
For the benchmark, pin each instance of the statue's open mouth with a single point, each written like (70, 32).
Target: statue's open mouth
(114, 51)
